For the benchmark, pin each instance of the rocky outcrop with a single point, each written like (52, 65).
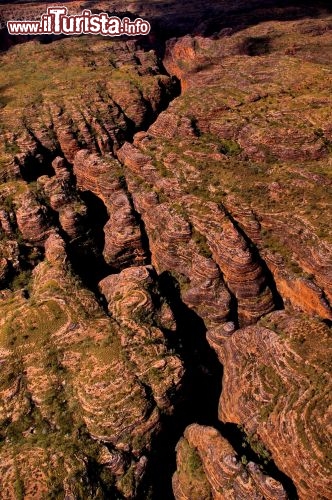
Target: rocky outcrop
(10, 252)
(135, 303)
(32, 219)
(301, 267)
(96, 111)
(173, 250)
(282, 401)
(190, 226)
(204, 151)
(302, 292)
(243, 273)
(74, 359)
(207, 467)
(123, 243)
(6, 223)
(185, 160)
(59, 191)
(313, 257)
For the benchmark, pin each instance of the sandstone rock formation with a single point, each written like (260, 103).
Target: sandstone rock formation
(138, 195)
(208, 468)
(123, 245)
(136, 304)
(74, 360)
(284, 396)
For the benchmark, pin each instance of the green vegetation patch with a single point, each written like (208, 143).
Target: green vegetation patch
(192, 472)
(33, 325)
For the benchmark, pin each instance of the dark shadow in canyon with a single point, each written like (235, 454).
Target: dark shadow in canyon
(86, 252)
(199, 395)
(197, 403)
(38, 164)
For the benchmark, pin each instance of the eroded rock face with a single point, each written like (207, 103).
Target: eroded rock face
(123, 240)
(95, 110)
(135, 303)
(175, 172)
(31, 219)
(74, 360)
(207, 467)
(217, 204)
(283, 399)
(187, 227)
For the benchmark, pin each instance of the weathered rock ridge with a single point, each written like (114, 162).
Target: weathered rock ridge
(208, 468)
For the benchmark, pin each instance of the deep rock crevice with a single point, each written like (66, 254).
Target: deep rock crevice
(200, 391)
